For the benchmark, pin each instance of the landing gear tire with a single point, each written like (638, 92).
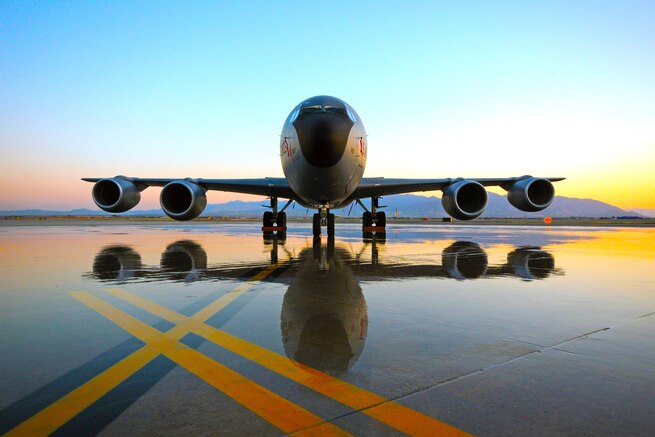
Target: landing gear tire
(367, 220)
(316, 225)
(282, 222)
(268, 219)
(267, 222)
(330, 225)
(381, 220)
(282, 219)
(316, 248)
(330, 248)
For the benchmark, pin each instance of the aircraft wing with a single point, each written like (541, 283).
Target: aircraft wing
(370, 187)
(278, 187)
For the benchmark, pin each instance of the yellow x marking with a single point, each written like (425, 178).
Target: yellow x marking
(391, 413)
(54, 416)
(280, 412)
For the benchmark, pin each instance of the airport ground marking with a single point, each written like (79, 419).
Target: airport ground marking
(280, 412)
(70, 405)
(52, 417)
(388, 412)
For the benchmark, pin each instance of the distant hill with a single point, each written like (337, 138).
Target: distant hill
(408, 205)
(644, 212)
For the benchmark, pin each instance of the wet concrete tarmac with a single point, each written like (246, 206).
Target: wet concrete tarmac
(434, 330)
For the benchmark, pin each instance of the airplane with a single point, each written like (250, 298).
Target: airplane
(323, 149)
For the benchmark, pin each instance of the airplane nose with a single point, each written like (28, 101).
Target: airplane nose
(323, 137)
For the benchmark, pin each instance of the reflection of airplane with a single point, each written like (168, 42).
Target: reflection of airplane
(186, 261)
(464, 260)
(324, 322)
(324, 319)
(323, 149)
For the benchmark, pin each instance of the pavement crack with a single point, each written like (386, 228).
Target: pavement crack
(567, 352)
(473, 372)
(576, 338)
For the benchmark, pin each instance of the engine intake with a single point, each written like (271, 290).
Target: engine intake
(183, 200)
(531, 194)
(464, 200)
(115, 194)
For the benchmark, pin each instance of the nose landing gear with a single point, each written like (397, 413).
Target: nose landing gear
(323, 218)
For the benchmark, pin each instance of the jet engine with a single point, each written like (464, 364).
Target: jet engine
(531, 194)
(116, 194)
(183, 200)
(464, 200)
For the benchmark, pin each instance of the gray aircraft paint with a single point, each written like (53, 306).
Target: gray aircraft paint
(328, 186)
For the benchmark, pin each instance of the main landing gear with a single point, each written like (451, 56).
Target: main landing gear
(373, 221)
(275, 221)
(323, 218)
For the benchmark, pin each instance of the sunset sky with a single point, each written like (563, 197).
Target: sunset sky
(475, 89)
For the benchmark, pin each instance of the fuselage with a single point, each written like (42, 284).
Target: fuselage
(323, 151)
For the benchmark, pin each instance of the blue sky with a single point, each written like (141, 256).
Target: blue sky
(174, 89)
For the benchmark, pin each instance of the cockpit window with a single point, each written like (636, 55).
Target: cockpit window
(294, 115)
(334, 109)
(310, 109)
(352, 116)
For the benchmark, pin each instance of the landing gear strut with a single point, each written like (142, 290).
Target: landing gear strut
(373, 221)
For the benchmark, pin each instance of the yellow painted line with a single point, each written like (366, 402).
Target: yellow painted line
(58, 413)
(270, 406)
(391, 413)
(52, 417)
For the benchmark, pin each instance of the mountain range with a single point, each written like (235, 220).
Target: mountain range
(407, 205)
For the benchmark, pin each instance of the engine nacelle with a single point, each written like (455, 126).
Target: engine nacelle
(531, 194)
(115, 194)
(184, 260)
(464, 260)
(183, 200)
(531, 263)
(464, 200)
(117, 263)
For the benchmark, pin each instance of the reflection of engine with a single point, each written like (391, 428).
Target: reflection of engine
(324, 322)
(117, 263)
(464, 260)
(531, 263)
(184, 260)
